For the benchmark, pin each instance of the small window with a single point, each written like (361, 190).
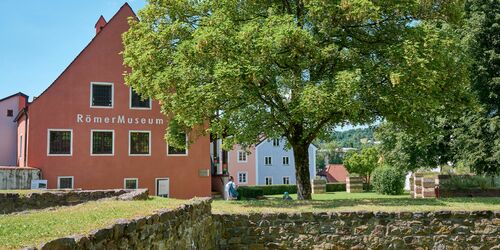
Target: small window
(286, 180)
(10, 112)
(269, 180)
(242, 156)
(242, 177)
(276, 142)
(101, 95)
(139, 143)
(59, 142)
(268, 161)
(130, 183)
(102, 142)
(138, 102)
(178, 151)
(65, 182)
(286, 161)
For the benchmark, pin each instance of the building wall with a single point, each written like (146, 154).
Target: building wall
(249, 167)
(68, 99)
(8, 129)
(277, 170)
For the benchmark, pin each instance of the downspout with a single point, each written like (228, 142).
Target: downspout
(26, 139)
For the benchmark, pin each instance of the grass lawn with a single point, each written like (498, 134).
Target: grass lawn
(33, 228)
(343, 201)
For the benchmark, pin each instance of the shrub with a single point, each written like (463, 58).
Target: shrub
(462, 182)
(388, 180)
(249, 192)
(335, 187)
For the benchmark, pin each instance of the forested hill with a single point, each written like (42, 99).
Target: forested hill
(352, 138)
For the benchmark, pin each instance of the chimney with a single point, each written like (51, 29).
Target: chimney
(100, 24)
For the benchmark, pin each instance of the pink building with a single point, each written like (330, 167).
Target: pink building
(10, 107)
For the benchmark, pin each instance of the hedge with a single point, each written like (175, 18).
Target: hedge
(335, 187)
(254, 191)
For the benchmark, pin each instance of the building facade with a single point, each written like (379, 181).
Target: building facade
(267, 163)
(10, 139)
(89, 130)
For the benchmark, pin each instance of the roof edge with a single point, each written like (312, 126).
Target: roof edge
(16, 94)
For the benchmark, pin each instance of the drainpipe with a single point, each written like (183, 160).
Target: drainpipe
(25, 139)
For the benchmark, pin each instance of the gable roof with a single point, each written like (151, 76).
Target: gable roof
(14, 95)
(124, 7)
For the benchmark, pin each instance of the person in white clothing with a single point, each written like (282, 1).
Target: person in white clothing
(230, 190)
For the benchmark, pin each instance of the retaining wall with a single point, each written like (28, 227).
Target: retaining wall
(360, 230)
(18, 177)
(16, 202)
(187, 227)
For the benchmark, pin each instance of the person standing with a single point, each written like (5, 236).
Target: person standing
(230, 190)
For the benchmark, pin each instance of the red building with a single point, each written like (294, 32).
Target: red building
(89, 130)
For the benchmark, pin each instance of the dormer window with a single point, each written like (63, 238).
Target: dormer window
(138, 102)
(101, 95)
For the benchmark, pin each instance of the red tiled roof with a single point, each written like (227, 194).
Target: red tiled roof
(335, 173)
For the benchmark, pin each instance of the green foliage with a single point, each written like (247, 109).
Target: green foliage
(362, 163)
(461, 182)
(249, 192)
(388, 180)
(243, 69)
(255, 191)
(335, 187)
(354, 138)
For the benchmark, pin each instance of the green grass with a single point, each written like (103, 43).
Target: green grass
(342, 201)
(33, 228)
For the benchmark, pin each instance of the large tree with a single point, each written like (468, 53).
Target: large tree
(295, 68)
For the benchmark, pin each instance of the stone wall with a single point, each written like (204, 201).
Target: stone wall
(16, 202)
(18, 177)
(187, 227)
(360, 230)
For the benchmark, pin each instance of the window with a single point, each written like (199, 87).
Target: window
(138, 102)
(269, 180)
(268, 161)
(286, 180)
(286, 161)
(276, 142)
(60, 142)
(101, 95)
(65, 182)
(10, 112)
(139, 143)
(242, 156)
(102, 142)
(171, 150)
(130, 183)
(242, 177)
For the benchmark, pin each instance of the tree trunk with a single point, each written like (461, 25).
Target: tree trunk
(301, 156)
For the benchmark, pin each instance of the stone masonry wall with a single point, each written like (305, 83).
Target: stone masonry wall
(187, 227)
(360, 230)
(16, 202)
(18, 177)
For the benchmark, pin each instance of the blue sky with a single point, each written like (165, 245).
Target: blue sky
(39, 39)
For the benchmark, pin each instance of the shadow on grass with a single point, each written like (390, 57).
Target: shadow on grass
(388, 201)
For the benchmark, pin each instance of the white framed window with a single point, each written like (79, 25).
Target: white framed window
(269, 180)
(102, 142)
(242, 177)
(276, 142)
(101, 95)
(242, 156)
(65, 182)
(173, 151)
(286, 180)
(268, 161)
(139, 143)
(137, 102)
(286, 161)
(130, 183)
(59, 142)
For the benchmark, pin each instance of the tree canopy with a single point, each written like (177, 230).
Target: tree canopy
(363, 162)
(295, 68)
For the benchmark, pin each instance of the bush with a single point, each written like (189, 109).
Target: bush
(388, 180)
(335, 187)
(462, 182)
(249, 192)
